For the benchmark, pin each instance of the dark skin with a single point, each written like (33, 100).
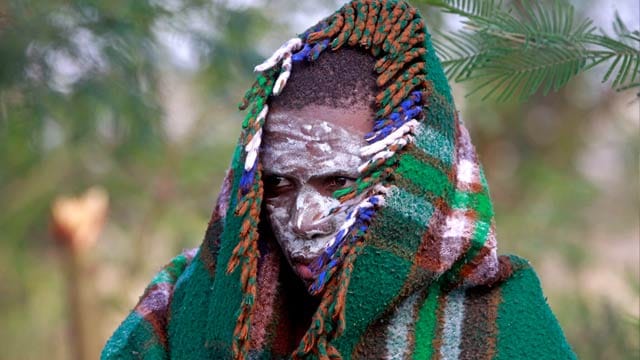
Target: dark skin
(307, 154)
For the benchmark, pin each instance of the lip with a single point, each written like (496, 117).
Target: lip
(304, 272)
(301, 266)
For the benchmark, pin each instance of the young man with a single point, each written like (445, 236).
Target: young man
(354, 222)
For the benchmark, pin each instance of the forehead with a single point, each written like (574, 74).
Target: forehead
(314, 140)
(356, 120)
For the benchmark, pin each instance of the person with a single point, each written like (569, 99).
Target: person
(354, 222)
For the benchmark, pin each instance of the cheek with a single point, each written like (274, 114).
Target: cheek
(315, 205)
(278, 213)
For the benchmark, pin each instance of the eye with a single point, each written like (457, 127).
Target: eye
(276, 185)
(334, 183)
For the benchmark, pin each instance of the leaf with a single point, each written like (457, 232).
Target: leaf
(624, 59)
(516, 52)
(460, 53)
(523, 73)
(468, 8)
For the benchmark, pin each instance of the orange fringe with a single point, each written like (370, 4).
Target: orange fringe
(370, 24)
(407, 15)
(346, 29)
(389, 67)
(335, 28)
(362, 9)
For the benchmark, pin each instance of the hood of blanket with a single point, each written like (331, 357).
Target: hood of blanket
(435, 225)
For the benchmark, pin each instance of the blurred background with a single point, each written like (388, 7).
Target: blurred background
(136, 101)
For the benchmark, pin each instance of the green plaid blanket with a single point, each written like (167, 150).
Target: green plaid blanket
(421, 281)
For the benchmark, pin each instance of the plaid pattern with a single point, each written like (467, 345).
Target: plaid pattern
(420, 280)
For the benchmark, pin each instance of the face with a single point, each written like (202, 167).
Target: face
(308, 154)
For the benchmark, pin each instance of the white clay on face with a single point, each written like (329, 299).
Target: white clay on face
(326, 127)
(303, 150)
(324, 147)
(294, 147)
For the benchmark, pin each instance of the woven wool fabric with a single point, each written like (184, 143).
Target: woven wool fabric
(415, 274)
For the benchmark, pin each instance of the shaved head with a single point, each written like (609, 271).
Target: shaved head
(338, 79)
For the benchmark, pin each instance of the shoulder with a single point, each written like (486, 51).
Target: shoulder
(526, 326)
(508, 320)
(143, 333)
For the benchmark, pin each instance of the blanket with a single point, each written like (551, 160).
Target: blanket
(414, 271)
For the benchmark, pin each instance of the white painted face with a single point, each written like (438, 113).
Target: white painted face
(308, 154)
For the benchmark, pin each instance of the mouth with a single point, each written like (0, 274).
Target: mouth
(302, 254)
(301, 265)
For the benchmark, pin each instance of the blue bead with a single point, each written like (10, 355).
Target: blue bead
(413, 112)
(322, 277)
(246, 181)
(383, 133)
(318, 263)
(302, 54)
(377, 126)
(333, 248)
(406, 104)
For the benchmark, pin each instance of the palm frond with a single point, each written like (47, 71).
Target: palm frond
(461, 53)
(467, 8)
(535, 25)
(521, 74)
(623, 58)
(516, 52)
(622, 53)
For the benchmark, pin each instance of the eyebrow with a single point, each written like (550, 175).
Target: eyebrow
(339, 173)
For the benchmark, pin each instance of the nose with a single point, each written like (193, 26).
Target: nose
(310, 218)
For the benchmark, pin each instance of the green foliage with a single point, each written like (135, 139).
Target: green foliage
(84, 93)
(81, 84)
(622, 53)
(468, 8)
(521, 50)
